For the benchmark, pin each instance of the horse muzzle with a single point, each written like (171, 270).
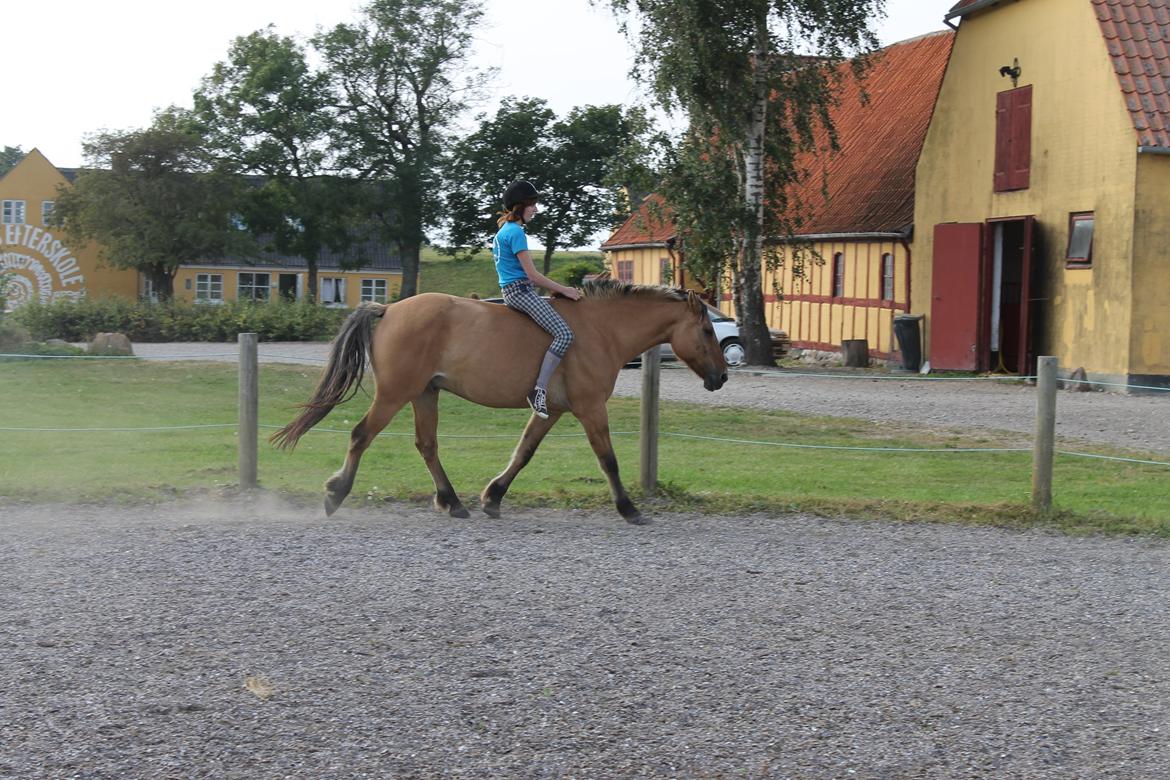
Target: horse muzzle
(715, 381)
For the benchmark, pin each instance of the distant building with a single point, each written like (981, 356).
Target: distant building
(43, 266)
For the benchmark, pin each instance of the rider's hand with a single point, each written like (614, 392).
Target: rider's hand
(571, 293)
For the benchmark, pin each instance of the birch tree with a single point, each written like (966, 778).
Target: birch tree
(756, 80)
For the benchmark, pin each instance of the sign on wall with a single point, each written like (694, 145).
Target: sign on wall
(37, 266)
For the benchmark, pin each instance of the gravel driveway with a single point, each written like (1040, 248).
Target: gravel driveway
(403, 644)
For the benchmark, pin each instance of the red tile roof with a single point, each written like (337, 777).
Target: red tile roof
(871, 179)
(651, 224)
(1137, 34)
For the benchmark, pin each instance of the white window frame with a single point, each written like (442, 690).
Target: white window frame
(888, 277)
(47, 207)
(255, 287)
(331, 291)
(12, 212)
(375, 290)
(209, 285)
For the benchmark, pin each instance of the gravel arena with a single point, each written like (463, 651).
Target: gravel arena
(260, 640)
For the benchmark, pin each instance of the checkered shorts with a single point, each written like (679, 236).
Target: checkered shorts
(522, 297)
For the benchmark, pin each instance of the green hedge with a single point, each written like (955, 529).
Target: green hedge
(178, 321)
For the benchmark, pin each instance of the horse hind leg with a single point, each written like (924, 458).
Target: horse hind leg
(534, 433)
(338, 486)
(426, 427)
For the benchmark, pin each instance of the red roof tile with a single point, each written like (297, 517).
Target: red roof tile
(651, 224)
(1137, 35)
(870, 180)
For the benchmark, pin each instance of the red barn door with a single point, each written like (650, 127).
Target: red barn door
(956, 286)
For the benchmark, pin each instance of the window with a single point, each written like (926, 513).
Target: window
(1013, 139)
(625, 270)
(252, 287)
(47, 211)
(12, 212)
(887, 277)
(838, 275)
(209, 288)
(333, 292)
(1080, 239)
(148, 291)
(374, 290)
(666, 271)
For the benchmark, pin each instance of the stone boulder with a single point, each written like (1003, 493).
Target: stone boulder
(110, 344)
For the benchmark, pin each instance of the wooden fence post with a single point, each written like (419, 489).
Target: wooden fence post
(249, 410)
(648, 437)
(1045, 446)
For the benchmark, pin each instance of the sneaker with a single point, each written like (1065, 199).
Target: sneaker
(538, 400)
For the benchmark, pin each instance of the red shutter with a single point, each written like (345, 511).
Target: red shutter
(1013, 139)
(1003, 140)
(1021, 171)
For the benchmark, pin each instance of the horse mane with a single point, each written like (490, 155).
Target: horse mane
(613, 288)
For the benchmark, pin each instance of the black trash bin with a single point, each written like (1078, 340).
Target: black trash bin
(909, 334)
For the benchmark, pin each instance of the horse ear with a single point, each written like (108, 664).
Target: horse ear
(694, 303)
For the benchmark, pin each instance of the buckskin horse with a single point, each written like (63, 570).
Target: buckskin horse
(488, 354)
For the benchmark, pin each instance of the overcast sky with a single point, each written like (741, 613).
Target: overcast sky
(76, 66)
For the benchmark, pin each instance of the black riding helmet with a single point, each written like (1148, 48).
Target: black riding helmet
(518, 192)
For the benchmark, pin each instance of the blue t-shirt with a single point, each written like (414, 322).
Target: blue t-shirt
(509, 242)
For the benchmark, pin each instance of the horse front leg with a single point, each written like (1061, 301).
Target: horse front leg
(596, 424)
(378, 417)
(534, 433)
(426, 439)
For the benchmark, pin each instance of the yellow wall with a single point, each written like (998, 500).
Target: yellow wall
(1150, 334)
(1083, 159)
(807, 311)
(185, 281)
(43, 263)
(648, 266)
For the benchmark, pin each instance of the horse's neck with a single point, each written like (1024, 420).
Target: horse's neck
(638, 324)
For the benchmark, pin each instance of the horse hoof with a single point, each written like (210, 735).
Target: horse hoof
(492, 511)
(460, 511)
(638, 519)
(331, 505)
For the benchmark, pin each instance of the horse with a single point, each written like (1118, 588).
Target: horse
(490, 355)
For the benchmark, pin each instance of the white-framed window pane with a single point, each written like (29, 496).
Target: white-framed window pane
(209, 287)
(1080, 239)
(332, 291)
(839, 275)
(625, 269)
(887, 277)
(374, 290)
(47, 211)
(12, 212)
(252, 287)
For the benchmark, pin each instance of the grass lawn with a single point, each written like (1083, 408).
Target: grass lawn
(475, 444)
(439, 273)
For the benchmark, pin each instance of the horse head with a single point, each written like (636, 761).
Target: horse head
(693, 341)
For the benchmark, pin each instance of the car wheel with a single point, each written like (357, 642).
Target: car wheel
(733, 352)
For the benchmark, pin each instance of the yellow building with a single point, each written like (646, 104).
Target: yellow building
(857, 213)
(1043, 191)
(41, 265)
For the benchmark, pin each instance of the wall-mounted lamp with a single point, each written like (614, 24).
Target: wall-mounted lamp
(1012, 70)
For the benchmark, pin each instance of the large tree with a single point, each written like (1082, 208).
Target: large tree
(9, 157)
(150, 200)
(584, 166)
(402, 77)
(757, 79)
(267, 113)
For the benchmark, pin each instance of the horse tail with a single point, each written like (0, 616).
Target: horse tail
(342, 375)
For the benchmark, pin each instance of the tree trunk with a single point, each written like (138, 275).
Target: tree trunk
(311, 292)
(548, 253)
(409, 253)
(753, 326)
(164, 282)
